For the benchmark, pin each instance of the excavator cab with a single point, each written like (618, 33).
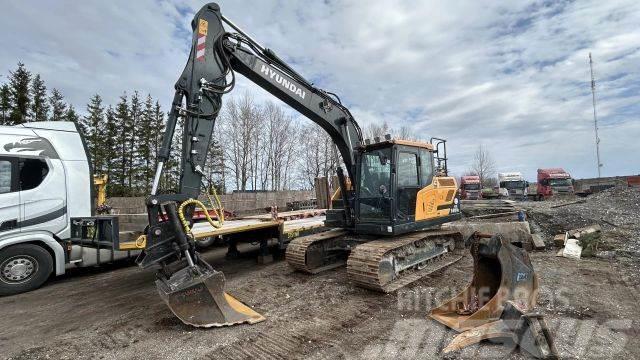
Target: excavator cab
(400, 188)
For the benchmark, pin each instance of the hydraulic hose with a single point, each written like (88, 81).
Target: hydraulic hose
(218, 209)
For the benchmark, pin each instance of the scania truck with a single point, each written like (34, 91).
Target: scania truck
(47, 221)
(512, 185)
(470, 187)
(554, 181)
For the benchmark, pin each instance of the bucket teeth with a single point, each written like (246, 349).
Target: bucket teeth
(197, 298)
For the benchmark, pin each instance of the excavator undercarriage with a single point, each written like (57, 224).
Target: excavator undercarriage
(380, 264)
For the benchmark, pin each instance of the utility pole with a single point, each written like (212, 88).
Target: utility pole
(595, 117)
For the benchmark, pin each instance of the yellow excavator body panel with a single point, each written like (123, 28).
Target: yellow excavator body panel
(435, 199)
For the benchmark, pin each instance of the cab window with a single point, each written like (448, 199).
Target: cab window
(426, 167)
(5, 176)
(32, 173)
(407, 169)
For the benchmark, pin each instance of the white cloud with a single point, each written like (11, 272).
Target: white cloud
(512, 76)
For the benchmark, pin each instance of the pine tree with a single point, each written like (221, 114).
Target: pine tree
(172, 166)
(158, 129)
(19, 94)
(39, 106)
(122, 129)
(214, 166)
(5, 105)
(132, 139)
(110, 146)
(71, 115)
(58, 107)
(94, 122)
(145, 149)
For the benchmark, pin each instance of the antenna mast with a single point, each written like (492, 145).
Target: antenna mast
(595, 117)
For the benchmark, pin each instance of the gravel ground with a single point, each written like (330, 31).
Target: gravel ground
(590, 304)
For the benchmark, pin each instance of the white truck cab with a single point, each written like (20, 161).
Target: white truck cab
(512, 185)
(46, 203)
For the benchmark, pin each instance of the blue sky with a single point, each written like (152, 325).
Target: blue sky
(512, 76)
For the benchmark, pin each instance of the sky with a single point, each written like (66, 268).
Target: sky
(512, 76)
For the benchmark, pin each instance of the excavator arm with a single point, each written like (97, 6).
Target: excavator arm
(210, 73)
(191, 288)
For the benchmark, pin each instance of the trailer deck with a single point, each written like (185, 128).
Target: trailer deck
(266, 229)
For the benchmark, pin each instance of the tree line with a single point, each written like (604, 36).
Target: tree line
(25, 98)
(123, 139)
(267, 148)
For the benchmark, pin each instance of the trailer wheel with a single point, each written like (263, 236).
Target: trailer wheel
(205, 242)
(23, 268)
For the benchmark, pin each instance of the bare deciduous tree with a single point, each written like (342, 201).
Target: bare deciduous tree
(483, 166)
(318, 155)
(374, 130)
(239, 123)
(371, 131)
(281, 132)
(260, 144)
(405, 133)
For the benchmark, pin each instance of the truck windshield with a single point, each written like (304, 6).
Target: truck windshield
(472, 186)
(375, 181)
(560, 182)
(512, 184)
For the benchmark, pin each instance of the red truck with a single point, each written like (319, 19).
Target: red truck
(554, 181)
(470, 188)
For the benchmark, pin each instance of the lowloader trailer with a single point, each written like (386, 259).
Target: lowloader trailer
(48, 222)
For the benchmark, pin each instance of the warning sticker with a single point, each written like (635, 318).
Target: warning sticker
(203, 27)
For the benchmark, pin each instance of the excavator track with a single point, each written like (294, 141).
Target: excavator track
(318, 252)
(389, 264)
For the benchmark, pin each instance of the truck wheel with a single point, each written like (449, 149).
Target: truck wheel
(23, 268)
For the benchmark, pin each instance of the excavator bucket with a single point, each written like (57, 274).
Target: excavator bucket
(502, 272)
(498, 304)
(196, 296)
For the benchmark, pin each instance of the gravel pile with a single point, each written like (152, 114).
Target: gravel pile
(616, 210)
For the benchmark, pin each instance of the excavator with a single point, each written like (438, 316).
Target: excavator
(393, 194)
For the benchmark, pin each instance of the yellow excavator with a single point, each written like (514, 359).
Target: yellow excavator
(385, 226)
(100, 183)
